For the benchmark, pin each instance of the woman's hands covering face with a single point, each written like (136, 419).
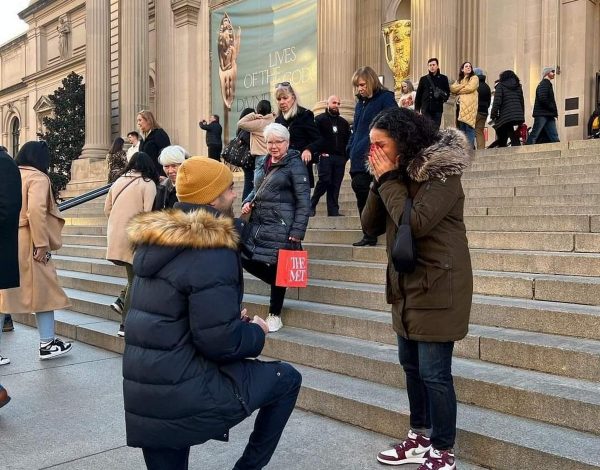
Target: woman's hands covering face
(380, 161)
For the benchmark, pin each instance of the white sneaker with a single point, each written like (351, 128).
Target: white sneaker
(54, 348)
(274, 323)
(4, 361)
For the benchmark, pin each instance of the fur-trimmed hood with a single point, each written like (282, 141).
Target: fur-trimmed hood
(450, 155)
(160, 236)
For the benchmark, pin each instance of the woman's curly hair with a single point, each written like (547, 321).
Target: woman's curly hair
(411, 131)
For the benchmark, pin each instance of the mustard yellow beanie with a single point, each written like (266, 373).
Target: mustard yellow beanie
(200, 180)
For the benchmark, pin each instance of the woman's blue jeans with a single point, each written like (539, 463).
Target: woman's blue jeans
(430, 388)
(468, 131)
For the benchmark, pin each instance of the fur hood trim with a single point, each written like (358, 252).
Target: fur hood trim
(450, 155)
(178, 229)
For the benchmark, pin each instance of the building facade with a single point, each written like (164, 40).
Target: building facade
(155, 54)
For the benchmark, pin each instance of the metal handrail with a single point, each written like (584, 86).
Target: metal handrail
(86, 197)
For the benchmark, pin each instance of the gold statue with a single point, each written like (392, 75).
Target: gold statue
(396, 36)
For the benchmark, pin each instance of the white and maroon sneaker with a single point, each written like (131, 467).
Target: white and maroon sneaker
(439, 460)
(412, 450)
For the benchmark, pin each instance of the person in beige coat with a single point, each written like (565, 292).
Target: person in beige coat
(131, 194)
(40, 226)
(468, 100)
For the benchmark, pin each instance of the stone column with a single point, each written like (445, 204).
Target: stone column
(335, 57)
(135, 71)
(368, 34)
(165, 77)
(469, 24)
(97, 80)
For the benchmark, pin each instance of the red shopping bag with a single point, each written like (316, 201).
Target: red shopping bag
(292, 268)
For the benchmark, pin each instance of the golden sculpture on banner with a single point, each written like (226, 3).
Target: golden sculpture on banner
(396, 37)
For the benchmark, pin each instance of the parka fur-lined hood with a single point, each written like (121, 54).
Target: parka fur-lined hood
(178, 229)
(450, 155)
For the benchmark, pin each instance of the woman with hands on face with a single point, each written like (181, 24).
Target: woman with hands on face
(410, 158)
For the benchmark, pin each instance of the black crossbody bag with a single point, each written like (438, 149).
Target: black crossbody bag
(404, 251)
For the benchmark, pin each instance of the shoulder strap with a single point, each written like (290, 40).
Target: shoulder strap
(407, 210)
(263, 185)
(124, 188)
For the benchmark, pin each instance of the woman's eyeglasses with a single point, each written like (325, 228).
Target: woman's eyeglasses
(275, 142)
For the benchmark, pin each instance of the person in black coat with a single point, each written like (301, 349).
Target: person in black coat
(278, 215)
(156, 138)
(304, 135)
(214, 141)
(428, 102)
(508, 109)
(545, 111)
(188, 372)
(484, 97)
(10, 208)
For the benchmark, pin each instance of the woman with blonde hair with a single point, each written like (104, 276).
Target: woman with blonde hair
(408, 94)
(155, 138)
(468, 100)
(300, 122)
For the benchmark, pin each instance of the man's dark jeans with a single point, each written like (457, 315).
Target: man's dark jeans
(545, 124)
(434, 116)
(214, 152)
(331, 174)
(430, 388)
(361, 185)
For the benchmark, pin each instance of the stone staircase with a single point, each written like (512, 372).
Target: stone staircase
(527, 375)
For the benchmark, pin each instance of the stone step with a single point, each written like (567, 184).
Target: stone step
(556, 189)
(89, 240)
(539, 241)
(539, 210)
(505, 389)
(515, 201)
(544, 180)
(547, 166)
(539, 223)
(84, 230)
(484, 435)
(94, 252)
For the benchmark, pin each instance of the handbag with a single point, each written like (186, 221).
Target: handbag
(438, 93)
(404, 251)
(237, 152)
(292, 267)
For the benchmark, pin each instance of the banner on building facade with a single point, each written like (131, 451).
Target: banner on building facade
(256, 44)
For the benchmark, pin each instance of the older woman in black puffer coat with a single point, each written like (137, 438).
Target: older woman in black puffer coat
(278, 214)
(508, 109)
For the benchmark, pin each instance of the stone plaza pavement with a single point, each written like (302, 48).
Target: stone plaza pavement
(67, 414)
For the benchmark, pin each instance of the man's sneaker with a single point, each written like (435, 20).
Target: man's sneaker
(8, 324)
(121, 331)
(117, 306)
(4, 398)
(439, 460)
(412, 450)
(4, 361)
(274, 323)
(54, 348)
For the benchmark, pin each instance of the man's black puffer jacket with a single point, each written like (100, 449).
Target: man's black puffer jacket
(281, 209)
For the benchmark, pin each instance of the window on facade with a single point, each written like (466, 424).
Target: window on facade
(15, 137)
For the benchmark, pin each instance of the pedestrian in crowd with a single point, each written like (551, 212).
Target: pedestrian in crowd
(372, 98)
(335, 133)
(214, 141)
(10, 207)
(410, 158)
(171, 159)
(245, 137)
(155, 139)
(40, 227)
(467, 101)
(135, 140)
(255, 123)
(545, 111)
(508, 110)
(593, 126)
(116, 159)
(304, 135)
(407, 95)
(278, 215)
(7, 325)
(132, 193)
(432, 92)
(189, 339)
(484, 97)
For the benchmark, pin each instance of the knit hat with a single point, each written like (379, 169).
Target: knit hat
(547, 70)
(172, 155)
(479, 72)
(200, 180)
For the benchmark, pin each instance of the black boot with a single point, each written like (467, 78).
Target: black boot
(366, 241)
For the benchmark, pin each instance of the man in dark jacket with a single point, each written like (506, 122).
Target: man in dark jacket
(335, 133)
(372, 98)
(187, 367)
(545, 111)
(10, 208)
(432, 93)
(213, 137)
(484, 95)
